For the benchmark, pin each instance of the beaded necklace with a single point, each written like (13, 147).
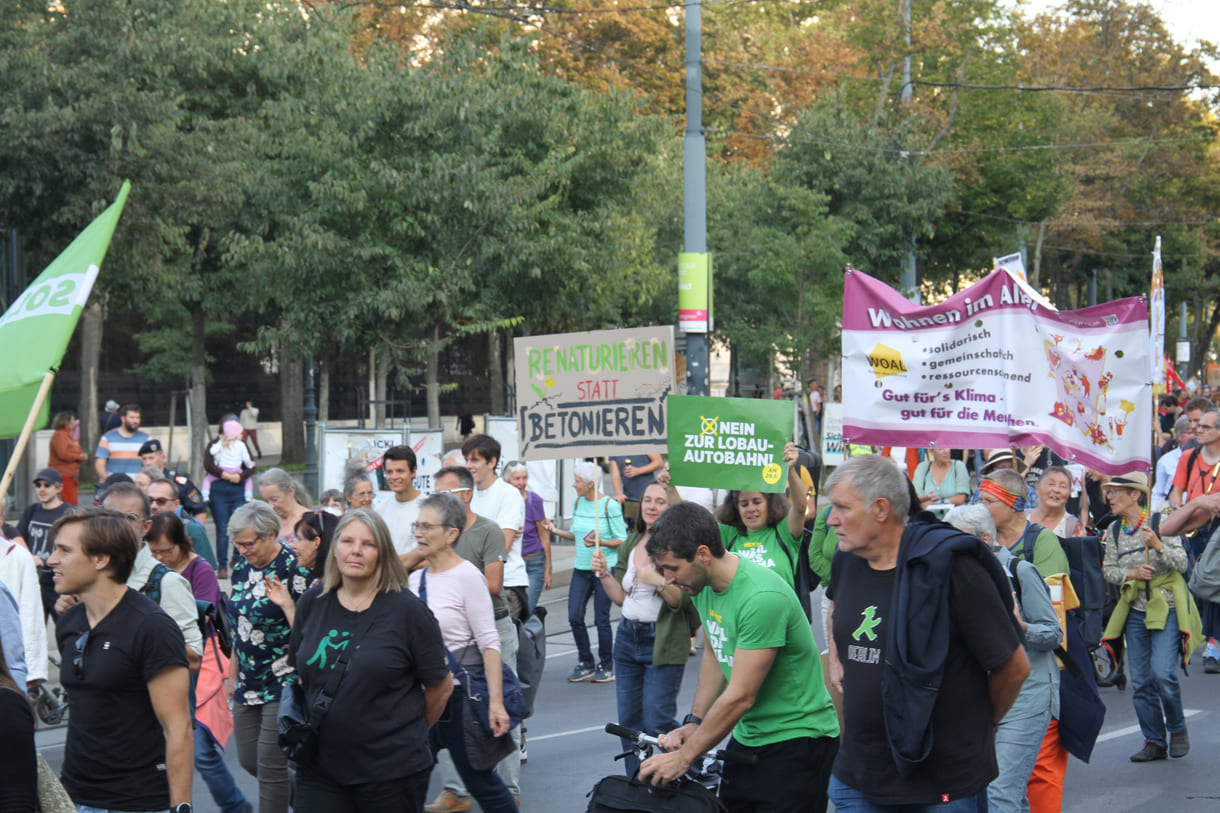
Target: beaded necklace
(1138, 525)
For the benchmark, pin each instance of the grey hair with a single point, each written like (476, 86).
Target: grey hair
(448, 507)
(512, 467)
(875, 477)
(285, 482)
(587, 471)
(1180, 426)
(154, 475)
(255, 516)
(349, 486)
(975, 520)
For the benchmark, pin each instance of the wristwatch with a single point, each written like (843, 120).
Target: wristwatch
(184, 807)
(690, 718)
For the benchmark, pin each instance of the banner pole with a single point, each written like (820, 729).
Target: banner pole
(26, 431)
(597, 516)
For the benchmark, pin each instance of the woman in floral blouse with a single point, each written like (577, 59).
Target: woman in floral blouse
(260, 665)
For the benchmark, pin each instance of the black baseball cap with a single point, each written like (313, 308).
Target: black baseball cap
(50, 475)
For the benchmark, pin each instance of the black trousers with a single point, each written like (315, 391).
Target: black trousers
(790, 776)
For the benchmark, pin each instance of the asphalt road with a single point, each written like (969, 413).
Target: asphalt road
(569, 752)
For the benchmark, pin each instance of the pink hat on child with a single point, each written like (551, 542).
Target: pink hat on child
(232, 430)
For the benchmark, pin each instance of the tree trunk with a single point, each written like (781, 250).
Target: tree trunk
(323, 392)
(292, 395)
(383, 375)
(495, 364)
(198, 395)
(433, 379)
(87, 406)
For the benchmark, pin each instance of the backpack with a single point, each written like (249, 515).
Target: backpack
(211, 618)
(620, 794)
(1084, 555)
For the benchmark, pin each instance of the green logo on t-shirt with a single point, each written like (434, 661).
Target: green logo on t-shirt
(335, 640)
(868, 625)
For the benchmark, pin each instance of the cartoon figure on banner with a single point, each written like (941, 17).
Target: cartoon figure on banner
(1083, 385)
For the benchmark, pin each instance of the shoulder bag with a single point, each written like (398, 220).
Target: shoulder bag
(483, 748)
(298, 722)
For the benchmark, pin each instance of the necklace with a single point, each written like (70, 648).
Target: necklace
(1138, 525)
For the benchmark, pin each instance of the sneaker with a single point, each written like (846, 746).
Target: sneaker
(1211, 666)
(525, 756)
(447, 802)
(517, 800)
(1179, 744)
(1149, 753)
(580, 673)
(603, 675)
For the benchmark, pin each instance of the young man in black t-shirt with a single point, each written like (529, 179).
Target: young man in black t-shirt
(129, 745)
(35, 529)
(981, 670)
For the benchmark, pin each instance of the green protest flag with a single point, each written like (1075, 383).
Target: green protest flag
(35, 330)
(731, 443)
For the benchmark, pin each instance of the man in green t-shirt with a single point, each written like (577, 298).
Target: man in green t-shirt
(760, 678)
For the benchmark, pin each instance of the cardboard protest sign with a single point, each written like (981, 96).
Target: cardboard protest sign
(992, 366)
(593, 394)
(730, 443)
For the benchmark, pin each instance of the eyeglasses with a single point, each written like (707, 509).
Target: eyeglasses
(78, 653)
(245, 545)
(134, 518)
(161, 500)
(452, 490)
(43, 484)
(425, 527)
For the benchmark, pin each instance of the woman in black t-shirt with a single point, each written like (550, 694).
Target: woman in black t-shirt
(365, 639)
(18, 769)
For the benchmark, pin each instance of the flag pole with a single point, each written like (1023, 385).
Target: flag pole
(26, 431)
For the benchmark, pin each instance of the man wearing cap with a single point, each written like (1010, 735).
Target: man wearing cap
(118, 452)
(35, 529)
(110, 417)
(151, 454)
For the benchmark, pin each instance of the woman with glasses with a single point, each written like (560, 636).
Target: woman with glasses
(456, 593)
(358, 491)
(260, 665)
(168, 543)
(373, 751)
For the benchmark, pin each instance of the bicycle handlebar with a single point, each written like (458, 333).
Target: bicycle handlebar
(640, 738)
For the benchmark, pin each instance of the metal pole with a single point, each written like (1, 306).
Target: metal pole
(311, 417)
(694, 186)
(910, 284)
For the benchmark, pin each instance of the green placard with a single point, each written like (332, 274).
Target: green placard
(731, 443)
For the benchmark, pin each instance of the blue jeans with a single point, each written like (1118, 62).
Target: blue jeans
(1017, 743)
(583, 584)
(485, 786)
(210, 762)
(226, 498)
(1152, 661)
(535, 568)
(849, 800)
(647, 694)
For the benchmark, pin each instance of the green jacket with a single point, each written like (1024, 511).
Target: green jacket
(1189, 622)
(675, 625)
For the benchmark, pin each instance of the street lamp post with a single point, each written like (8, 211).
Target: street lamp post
(311, 418)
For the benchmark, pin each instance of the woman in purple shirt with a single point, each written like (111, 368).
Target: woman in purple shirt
(535, 538)
(168, 542)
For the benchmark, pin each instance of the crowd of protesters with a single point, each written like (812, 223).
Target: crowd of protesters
(939, 567)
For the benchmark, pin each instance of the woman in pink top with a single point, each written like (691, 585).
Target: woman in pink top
(457, 595)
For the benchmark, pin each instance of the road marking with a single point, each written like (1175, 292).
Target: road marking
(1132, 729)
(532, 738)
